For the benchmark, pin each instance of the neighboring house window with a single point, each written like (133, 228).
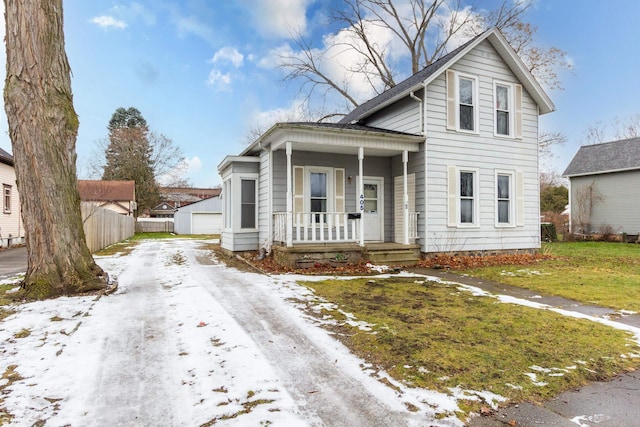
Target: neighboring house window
(504, 199)
(463, 197)
(467, 197)
(6, 198)
(462, 102)
(248, 203)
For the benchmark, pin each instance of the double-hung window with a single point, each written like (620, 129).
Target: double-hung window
(462, 102)
(318, 193)
(463, 197)
(6, 198)
(248, 203)
(503, 96)
(467, 101)
(504, 198)
(467, 197)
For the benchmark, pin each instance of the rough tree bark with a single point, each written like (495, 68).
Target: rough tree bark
(43, 127)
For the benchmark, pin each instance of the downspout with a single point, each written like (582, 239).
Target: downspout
(423, 132)
(269, 238)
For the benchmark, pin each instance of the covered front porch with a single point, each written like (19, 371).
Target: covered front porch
(342, 185)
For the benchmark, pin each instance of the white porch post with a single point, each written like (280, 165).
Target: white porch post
(289, 197)
(361, 192)
(405, 208)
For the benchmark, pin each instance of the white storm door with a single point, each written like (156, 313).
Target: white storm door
(373, 209)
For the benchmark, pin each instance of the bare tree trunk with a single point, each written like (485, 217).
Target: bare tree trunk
(43, 127)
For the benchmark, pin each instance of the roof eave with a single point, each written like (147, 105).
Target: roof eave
(503, 48)
(602, 172)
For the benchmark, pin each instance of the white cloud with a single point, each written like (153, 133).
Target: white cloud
(191, 25)
(221, 82)
(279, 18)
(181, 171)
(263, 120)
(107, 21)
(228, 54)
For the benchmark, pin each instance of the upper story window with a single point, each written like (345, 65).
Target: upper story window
(6, 198)
(467, 101)
(462, 102)
(503, 114)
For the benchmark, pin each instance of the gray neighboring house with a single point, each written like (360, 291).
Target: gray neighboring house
(604, 188)
(445, 161)
(203, 217)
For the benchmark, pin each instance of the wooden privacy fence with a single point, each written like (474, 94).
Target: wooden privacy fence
(103, 227)
(154, 225)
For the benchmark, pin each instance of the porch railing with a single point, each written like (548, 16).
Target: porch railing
(318, 227)
(327, 227)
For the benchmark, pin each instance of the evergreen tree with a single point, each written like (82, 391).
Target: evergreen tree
(129, 155)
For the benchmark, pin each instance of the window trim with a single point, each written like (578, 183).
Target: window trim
(329, 171)
(512, 198)
(255, 203)
(6, 198)
(453, 205)
(511, 111)
(475, 105)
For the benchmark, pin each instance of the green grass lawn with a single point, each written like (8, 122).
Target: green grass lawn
(434, 335)
(600, 273)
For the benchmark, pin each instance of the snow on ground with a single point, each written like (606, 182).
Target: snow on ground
(187, 341)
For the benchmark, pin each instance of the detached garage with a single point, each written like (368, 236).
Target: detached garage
(203, 217)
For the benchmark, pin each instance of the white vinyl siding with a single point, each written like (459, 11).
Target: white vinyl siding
(485, 153)
(603, 201)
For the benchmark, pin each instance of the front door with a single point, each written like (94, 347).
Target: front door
(373, 209)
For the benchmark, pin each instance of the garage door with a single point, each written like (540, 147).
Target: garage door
(206, 223)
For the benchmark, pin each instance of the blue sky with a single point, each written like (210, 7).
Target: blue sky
(201, 71)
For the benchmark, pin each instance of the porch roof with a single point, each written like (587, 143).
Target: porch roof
(336, 138)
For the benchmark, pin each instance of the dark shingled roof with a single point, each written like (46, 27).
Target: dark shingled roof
(6, 158)
(605, 157)
(404, 85)
(349, 126)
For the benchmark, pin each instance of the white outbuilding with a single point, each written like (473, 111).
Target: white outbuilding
(203, 217)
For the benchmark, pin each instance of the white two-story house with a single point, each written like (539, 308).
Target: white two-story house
(446, 161)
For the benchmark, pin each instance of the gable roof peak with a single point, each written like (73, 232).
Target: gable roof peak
(432, 71)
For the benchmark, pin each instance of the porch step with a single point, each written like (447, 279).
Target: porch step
(394, 256)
